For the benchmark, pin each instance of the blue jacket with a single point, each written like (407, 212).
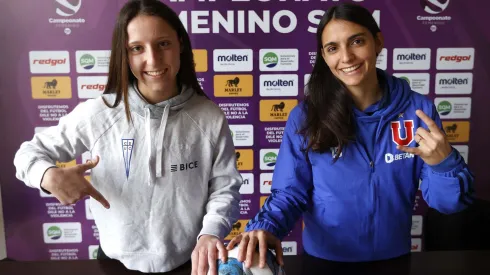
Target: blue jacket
(360, 207)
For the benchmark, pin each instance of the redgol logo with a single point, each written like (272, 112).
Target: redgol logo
(50, 61)
(457, 58)
(99, 87)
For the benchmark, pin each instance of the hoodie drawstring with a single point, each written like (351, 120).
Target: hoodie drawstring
(160, 135)
(148, 142)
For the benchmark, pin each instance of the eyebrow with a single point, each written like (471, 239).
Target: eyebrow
(350, 38)
(158, 38)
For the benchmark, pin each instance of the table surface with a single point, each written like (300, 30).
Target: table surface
(440, 262)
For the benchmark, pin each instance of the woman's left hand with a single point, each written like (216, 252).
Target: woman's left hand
(205, 255)
(433, 144)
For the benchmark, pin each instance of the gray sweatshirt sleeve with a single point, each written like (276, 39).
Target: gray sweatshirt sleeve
(63, 143)
(222, 208)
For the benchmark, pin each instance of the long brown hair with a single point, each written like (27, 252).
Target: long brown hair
(120, 75)
(328, 107)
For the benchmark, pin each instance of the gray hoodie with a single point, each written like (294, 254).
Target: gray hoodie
(170, 176)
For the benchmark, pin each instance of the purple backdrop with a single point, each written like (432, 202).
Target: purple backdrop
(32, 31)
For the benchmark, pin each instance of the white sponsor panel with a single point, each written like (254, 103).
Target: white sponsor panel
(289, 248)
(268, 158)
(247, 184)
(279, 85)
(265, 183)
(68, 232)
(463, 151)
(411, 59)
(417, 223)
(91, 86)
(278, 59)
(416, 245)
(453, 107)
(243, 135)
(49, 62)
(92, 252)
(454, 83)
(419, 82)
(455, 58)
(227, 60)
(382, 60)
(93, 61)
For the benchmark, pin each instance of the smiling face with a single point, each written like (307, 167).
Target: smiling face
(350, 51)
(153, 53)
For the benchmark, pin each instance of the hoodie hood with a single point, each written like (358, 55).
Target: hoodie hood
(396, 94)
(138, 103)
(159, 111)
(399, 92)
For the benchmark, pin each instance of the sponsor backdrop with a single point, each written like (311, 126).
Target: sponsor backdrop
(253, 59)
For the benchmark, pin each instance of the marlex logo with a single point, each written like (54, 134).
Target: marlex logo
(444, 108)
(270, 159)
(87, 61)
(434, 6)
(67, 7)
(54, 233)
(270, 60)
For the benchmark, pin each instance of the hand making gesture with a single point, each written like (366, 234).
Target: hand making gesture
(433, 145)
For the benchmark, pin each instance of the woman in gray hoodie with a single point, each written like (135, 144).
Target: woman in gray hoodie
(165, 186)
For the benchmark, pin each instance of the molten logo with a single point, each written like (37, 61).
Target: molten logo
(411, 57)
(233, 57)
(66, 8)
(454, 81)
(396, 135)
(278, 83)
(434, 6)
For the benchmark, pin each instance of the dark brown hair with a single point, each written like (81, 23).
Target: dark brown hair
(328, 107)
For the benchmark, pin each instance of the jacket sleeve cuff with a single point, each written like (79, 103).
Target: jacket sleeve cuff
(36, 173)
(266, 226)
(449, 163)
(213, 228)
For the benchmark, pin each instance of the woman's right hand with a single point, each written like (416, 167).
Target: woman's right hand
(247, 243)
(69, 185)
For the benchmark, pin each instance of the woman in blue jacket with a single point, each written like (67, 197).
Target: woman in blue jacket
(353, 153)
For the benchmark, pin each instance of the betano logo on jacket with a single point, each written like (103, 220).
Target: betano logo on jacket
(396, 137)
